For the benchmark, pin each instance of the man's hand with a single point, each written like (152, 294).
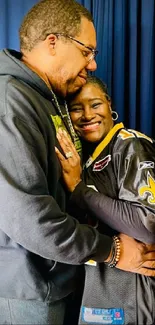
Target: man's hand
(136, 257)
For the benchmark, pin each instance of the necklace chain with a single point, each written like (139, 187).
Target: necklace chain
(74, 136)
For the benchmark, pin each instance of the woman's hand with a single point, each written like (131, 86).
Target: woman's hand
(70, 161)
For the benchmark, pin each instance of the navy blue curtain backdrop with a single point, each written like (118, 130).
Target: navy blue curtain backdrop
(126, 37)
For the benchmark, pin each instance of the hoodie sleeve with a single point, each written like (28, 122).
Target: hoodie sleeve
(30, 216)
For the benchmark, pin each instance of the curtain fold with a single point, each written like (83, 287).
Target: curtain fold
(125, 37)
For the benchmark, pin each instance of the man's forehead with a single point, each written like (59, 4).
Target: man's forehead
(87, 34)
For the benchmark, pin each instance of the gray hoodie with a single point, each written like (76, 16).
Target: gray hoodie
(40, 244)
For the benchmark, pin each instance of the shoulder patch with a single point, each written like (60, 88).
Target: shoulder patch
(101, 164)
(141, 135)
(126, 134)
(148, 191)
(146, 165)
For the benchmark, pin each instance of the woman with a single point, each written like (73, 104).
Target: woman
(117, 188)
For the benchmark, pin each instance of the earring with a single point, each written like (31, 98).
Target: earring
(114, 115)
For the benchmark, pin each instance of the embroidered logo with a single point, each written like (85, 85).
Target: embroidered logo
(148, 191)
(145, 165)
(101, 164)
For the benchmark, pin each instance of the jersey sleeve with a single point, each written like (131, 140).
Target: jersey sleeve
(135, 169)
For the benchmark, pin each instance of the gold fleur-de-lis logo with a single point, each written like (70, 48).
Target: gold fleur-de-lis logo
(148, 190)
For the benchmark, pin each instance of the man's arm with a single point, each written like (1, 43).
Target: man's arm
(31, 216)
(30, 183)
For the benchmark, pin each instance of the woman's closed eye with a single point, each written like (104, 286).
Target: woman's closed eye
(96, 105)
(76, 109)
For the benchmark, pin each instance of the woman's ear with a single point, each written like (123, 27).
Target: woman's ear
(109, 104)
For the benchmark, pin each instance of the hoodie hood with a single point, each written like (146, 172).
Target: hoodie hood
(11, 65)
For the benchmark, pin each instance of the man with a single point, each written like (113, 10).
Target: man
(40, 243)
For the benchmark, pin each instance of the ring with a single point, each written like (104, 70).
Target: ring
(68, 154)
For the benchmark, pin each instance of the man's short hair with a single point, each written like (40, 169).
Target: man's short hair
(51, 16)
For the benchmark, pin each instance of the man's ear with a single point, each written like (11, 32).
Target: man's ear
(51, 42)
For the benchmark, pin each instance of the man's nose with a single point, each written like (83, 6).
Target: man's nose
(92, 65)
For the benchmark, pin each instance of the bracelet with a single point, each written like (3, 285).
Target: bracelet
(116, 251)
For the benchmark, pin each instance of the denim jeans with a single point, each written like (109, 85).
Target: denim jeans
(30, 312)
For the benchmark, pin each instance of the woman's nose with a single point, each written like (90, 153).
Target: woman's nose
(88, 114)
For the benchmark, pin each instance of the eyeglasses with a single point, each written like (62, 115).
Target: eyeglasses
(90, 56)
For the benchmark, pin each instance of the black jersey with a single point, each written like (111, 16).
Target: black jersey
(120, 192)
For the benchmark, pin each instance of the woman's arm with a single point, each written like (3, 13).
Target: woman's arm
(132, 218)
(123, 216)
